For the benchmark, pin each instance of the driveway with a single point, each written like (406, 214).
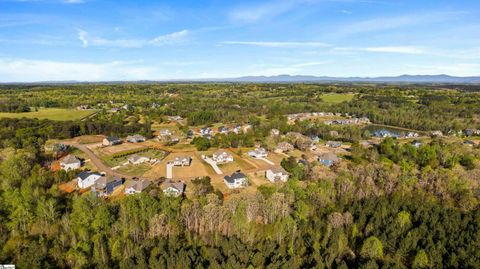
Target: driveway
(96, 161)
(213, 164)
(169, 170)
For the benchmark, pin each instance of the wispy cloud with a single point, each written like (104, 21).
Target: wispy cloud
(255, 13)
(167, 39)
(276, 44)
(397, 49)
(387, 23)
(383, 49)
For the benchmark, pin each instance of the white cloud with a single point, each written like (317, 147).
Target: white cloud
(397, 49)
(168, 39)
(387, 23)
(275, 44)
(82, 35)
(382, 49)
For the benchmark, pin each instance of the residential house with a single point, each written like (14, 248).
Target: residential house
(314, 138)
(416, 143)
(136, 186)
(190, 134)
(333, 144)
(237, 129)
(328, 159)
(136, 159)
(276, 174)
(437, 133)
(70, 162)
(111, 140)
(247, 128)
(223, 130)
(411, 135)
(469, 143)
(258, 153)
(470, 132)
(174, 118)
(165, 132)
(284, 147)
(274, 132)
(221, 156)
(114, 109)
(182, 161)
(83, 107)
(105, 185)
(236, 180)
(206, 131)
(136, 138)
(86, 179)
(173, 189)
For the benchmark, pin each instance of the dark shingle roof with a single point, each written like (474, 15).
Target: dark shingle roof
(84, 174)
(234, 176)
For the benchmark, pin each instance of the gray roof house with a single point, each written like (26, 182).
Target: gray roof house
(70, 162)
(105, 186)
(236, 180)
(136, 186)
(111, 140)
(333, 144)
(328, 158)
(173, 189)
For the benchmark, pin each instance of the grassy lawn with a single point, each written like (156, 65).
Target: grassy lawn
(335, 98)
(59, 114)
(135, 169)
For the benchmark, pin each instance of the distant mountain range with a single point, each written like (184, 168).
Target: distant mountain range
(412, 79)
(395, 79)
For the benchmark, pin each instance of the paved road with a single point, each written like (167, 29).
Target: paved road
(213, 164)
(96, 161)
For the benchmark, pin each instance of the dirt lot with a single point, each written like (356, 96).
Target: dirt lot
(107, 151)
(197, 169)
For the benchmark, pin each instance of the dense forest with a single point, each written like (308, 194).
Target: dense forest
(391, 205)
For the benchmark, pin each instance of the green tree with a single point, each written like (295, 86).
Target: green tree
(372, 248)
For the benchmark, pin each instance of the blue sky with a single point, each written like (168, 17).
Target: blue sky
(132, 40)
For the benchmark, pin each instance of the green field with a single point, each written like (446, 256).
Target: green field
(335, 98)
(60, 114)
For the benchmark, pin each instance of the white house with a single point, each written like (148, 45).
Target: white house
(165, 132)
(258, 153)
(136, 138)
(236, 180)
(237, 129)
(70, 162)
(135, 159)
(274, 132)
(222, 156)
(276, 174)
(136, 186)
(182, 161)
(173, 189)
(206, 131)
(86, 179)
